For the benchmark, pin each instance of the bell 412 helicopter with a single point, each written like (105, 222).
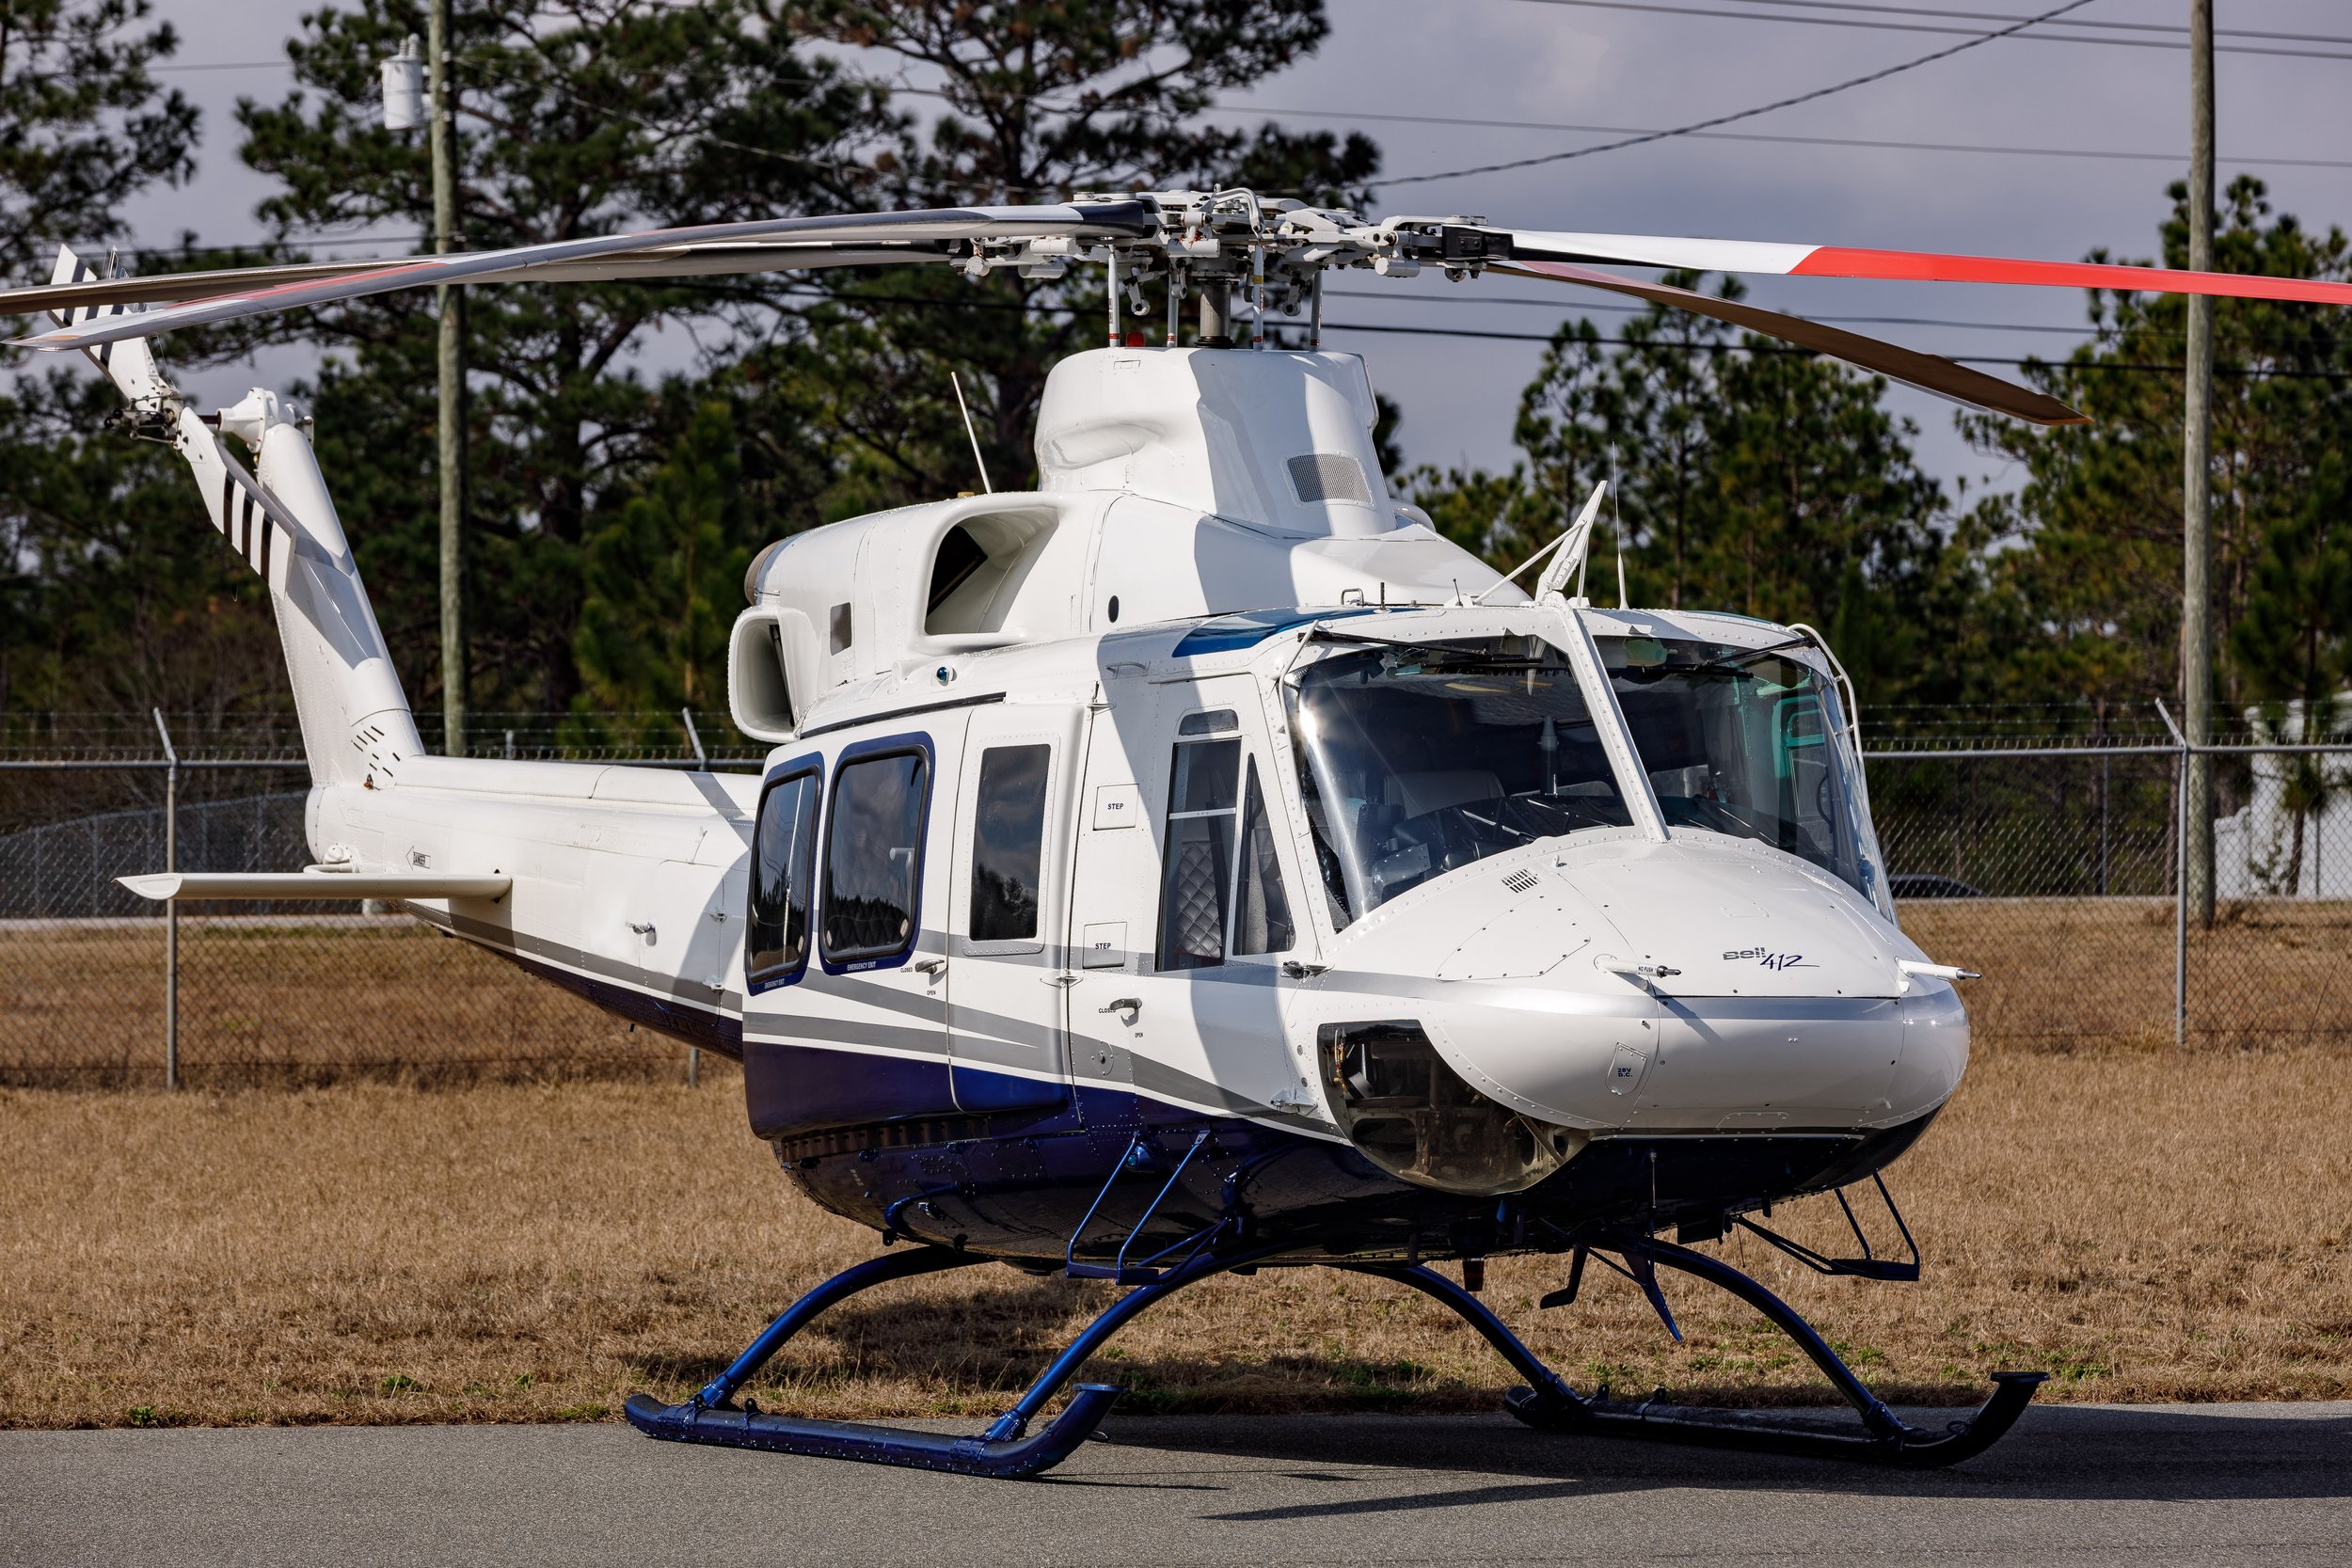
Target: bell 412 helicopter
(1195, 864)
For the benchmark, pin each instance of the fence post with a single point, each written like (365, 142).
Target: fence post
(2180, 879)
(171, 908)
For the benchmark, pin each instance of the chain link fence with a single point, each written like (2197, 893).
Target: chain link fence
(2040, 847)
(2043, 848)
(267, 993)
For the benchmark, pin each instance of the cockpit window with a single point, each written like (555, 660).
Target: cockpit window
(1746, 741)
(1418, 759)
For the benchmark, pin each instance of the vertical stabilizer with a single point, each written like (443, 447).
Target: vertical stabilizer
(355, 723)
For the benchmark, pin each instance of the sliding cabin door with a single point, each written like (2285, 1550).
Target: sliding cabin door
(845, 1022)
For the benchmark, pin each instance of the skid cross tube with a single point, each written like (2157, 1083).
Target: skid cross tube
(1886, 1440)
(1870, 1266)
(1006, 1449)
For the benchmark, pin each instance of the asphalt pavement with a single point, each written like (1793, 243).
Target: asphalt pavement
(2144, 1485)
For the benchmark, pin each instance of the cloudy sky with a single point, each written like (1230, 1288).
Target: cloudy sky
(1446, 84)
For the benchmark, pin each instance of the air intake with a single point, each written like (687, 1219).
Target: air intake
(1328, 476)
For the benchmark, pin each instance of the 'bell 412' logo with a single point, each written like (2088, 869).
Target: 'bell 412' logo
(1766, 958)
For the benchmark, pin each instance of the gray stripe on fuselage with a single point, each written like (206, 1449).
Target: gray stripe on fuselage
(675, 987)
(796, 1028)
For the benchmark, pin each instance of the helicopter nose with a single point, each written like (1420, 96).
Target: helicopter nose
(1688, 988)
(1713, 921)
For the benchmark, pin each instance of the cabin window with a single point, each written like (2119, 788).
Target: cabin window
(1417, 759)
(1195, 869)
(1008, 843)
(1747, 742)
(1262, 910)
(783, 870)
(874, 858)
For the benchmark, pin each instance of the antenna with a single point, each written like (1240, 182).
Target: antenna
(1574, 545)
(1567, 535)
(1616, 523)
(977, 461)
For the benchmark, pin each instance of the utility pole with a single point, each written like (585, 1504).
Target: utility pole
(450, 302)
(2197, 480)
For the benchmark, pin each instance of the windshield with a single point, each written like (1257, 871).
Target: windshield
(1416, 759)
(1746, 741)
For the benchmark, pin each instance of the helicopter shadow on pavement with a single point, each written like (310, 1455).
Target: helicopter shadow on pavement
(2060, 1453)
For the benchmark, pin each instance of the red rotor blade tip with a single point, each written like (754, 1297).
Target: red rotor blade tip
(1924, 267)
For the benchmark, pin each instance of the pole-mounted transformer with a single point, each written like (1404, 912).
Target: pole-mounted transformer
(404, 87)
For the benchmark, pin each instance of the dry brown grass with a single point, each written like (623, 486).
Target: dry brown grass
(284, 1002)
(2145, 1225)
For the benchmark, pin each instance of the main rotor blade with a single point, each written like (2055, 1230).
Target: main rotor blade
(754, 243)
(1927, 372)
(684, 260)
(1912, 266)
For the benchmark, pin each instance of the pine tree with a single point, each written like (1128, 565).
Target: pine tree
(1039, 100)
(1753, 479)
(84, 127)
(576, 118)
(2291, 644)
(662, 577)
(87, 126)
(2091, 544)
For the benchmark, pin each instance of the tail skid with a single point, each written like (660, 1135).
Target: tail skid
(355, 723)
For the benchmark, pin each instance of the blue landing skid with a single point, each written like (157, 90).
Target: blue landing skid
(1886, 1439)
(1009, 1449)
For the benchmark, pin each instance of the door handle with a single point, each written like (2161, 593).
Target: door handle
(1124, 1004)
(931, 966)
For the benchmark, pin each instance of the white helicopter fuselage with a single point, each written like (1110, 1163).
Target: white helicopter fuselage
(1205, 781)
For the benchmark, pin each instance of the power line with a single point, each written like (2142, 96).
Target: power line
(1652, 7)
(2263, 346)
(1642, 309)
(1041, 308)
(1792, 349)
(1866, 143)
(1377, 118)
(1878, 75)
(1913, 18)
(2179, 29)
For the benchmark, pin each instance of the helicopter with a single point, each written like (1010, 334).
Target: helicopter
(1196, 863)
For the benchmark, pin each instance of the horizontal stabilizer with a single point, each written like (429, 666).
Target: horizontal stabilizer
(169, 886)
